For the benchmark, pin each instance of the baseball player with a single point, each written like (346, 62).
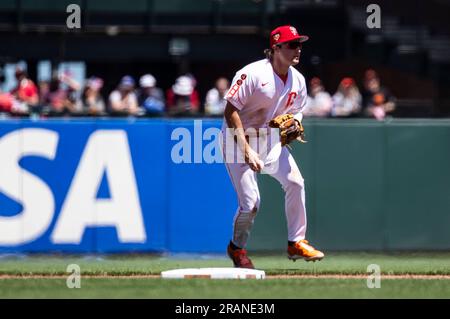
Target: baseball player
(261, 91)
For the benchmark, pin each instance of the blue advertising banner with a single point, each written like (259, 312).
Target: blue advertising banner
(113, 186)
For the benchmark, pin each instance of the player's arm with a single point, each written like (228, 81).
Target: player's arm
(233, 119)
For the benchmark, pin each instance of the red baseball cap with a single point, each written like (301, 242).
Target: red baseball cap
(286, 33)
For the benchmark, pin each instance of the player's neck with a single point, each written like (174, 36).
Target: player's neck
(279, 68)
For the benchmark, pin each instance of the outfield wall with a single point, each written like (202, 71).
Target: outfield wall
(74, 185)
(370, 186)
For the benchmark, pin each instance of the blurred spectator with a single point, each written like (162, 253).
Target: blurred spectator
(378, 101)
(6, 102)
(73, 93)
(182, 98)
(44, 88)
(60, 101)
(151, 98)
(25, 93)
(193, 79)
(318, 102)
(92, 100)
(123, 101)
(347, 99)
(214, 101)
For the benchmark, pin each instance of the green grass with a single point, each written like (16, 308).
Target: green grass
(334, 263)
(223, 289)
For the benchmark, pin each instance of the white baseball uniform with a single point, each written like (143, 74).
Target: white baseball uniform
(260, 95)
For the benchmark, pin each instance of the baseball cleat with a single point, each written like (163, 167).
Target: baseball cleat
(302, 249)
(240, 258)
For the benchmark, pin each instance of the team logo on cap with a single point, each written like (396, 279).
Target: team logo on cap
(276, 36)
(293, 30)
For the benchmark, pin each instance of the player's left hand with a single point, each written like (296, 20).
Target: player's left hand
(290, 129)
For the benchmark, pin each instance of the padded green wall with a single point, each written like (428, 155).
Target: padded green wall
(369, 186)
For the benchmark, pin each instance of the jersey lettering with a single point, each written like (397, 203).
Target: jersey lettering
(291, 99)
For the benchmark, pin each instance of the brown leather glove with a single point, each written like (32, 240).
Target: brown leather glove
(290, 128)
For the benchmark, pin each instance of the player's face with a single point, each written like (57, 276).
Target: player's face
(290, 52)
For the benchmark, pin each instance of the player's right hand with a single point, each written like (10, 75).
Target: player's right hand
(253, 161)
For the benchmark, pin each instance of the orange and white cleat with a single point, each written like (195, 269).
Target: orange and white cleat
(239, 258)
(302, 249)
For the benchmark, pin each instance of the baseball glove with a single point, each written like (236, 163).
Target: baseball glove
(290, 128)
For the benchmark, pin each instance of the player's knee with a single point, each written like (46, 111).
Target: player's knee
(294, 185)
(295, 177)
(250, 208)
(250, 204)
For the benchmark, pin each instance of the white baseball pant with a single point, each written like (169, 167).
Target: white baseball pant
(245, 183)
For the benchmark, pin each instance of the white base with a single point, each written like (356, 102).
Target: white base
(214, 273)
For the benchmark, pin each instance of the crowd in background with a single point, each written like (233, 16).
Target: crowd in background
(374, 100)
(63, 96)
